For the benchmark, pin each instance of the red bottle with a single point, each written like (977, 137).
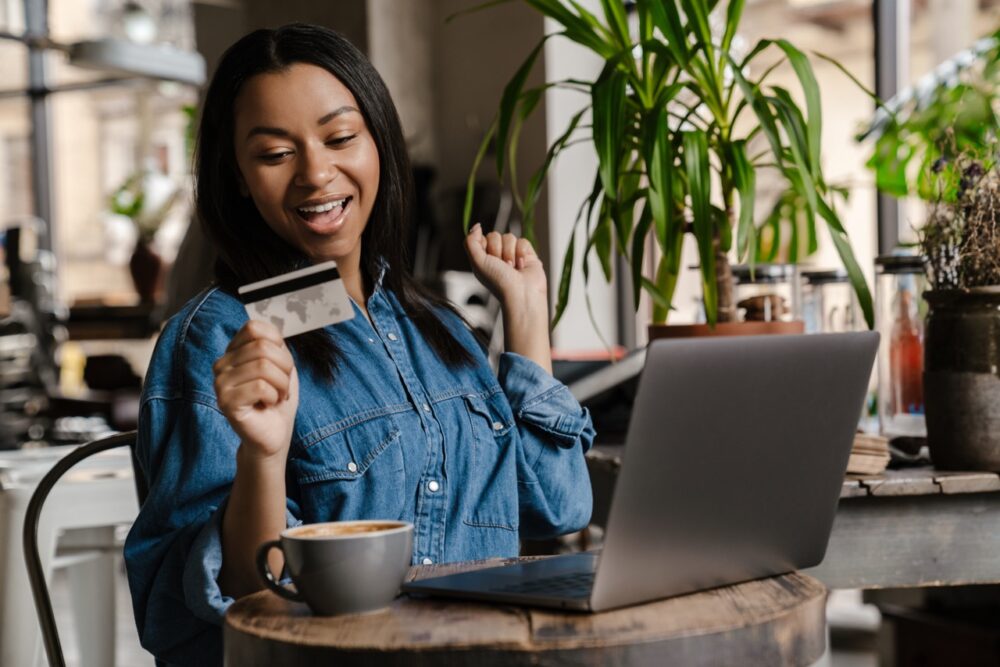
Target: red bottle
(906, 359)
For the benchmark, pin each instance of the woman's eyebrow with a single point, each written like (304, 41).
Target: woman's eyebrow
(279, 132)
(336, 112)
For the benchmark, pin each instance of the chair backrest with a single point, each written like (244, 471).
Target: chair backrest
(36, 574)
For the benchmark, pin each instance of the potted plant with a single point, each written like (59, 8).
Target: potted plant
(145, 198)
(682, 125)
(961, 243)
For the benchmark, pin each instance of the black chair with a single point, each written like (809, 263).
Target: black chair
(36, 575)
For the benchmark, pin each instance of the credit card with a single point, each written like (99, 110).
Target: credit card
(299, 301)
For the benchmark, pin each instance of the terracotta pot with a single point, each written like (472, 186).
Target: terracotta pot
(962, 378)
(147, 269)
(725, 329)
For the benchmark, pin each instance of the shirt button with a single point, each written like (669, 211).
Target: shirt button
(427, 561)
(371, 340)
(497, 426)
(433, 486)
(427, 408)
(352, 466)
(391, 336)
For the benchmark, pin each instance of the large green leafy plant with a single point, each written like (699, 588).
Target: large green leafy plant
(673, 116)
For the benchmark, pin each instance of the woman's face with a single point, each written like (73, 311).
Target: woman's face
(307, 160)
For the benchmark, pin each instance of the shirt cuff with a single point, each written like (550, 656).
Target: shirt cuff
(202, 593)
(542, 401)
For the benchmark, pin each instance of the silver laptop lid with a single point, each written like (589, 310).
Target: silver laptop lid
(735, 456)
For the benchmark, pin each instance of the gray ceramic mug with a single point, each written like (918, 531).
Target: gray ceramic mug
(342, 567)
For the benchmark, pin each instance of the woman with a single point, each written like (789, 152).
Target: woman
(392, 414)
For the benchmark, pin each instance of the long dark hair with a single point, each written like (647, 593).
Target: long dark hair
(248, 249)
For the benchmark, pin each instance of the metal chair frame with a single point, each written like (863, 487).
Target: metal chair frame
(36, 574)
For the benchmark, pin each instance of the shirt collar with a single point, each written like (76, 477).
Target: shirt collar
(382, 265)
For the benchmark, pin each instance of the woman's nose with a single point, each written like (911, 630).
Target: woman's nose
(316, 167)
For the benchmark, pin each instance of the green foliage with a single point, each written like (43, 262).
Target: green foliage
(951, 111)
(664, 116)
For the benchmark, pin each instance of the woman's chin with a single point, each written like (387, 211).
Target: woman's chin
(337, 250)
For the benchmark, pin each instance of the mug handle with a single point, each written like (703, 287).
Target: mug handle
(264, 570)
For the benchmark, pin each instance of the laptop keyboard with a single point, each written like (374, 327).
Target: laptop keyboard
(567, 585)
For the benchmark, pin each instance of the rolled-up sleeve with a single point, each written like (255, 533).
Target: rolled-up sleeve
(555, 432)
(173, 552)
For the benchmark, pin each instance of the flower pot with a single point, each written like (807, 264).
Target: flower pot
(725, 329)
(962, 378)
(147, 269)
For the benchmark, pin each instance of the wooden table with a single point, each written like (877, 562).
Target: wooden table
(776, 621)
(915, 527)
(902, 529)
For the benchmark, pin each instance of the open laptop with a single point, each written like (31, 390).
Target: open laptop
(734, 460)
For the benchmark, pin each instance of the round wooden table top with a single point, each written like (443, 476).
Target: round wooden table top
(775, 621)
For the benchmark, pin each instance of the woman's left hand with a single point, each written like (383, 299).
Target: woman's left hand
(509, 268)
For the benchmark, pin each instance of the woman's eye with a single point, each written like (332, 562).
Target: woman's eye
(340, 141)
(274, 157)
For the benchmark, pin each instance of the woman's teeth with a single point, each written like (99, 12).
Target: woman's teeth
(323, 208)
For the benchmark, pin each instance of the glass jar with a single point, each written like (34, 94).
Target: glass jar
(770, 294)
(899, 318)
(829, 303)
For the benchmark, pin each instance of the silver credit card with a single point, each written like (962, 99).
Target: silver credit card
(299, 301)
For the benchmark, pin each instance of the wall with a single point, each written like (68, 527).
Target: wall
(474, 57)
(401, 47)
(570, 183)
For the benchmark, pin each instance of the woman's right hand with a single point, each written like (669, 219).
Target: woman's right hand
(257, 388)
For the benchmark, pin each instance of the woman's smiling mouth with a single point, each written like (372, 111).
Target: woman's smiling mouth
(327, 217)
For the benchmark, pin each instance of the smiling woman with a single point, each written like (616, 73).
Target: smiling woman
(394, 414)
(287, 159)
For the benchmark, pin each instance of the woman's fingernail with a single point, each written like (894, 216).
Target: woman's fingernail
(477, 227)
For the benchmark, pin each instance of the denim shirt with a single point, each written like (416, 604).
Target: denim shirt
(474, 460)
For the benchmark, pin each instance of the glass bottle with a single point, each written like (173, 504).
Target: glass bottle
(899, 317)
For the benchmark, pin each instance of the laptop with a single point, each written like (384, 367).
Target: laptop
(734, 460)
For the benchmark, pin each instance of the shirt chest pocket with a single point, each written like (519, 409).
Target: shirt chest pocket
(351, 473)
(491, 494)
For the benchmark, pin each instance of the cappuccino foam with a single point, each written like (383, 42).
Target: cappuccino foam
(334, 530)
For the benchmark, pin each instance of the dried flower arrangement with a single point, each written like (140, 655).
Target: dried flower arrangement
(961, 237)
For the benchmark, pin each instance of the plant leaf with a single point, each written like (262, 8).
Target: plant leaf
(614, 13)
(745, 180)
(601, 237)
(639, 235)
(696, 166)
(814, 109)
(470, 186)
(666, 282)
(660, 302)
(538, 178)
(697, 14)
(472, 10)
(802, 180)
(667, 17)
(608, 103)
(733, 14)
(576, 27)
(529, 100)
(660, 169)
(565, 278)
(509, 101)
(854, 273)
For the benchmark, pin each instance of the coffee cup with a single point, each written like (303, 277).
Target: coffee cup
(341, 567)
